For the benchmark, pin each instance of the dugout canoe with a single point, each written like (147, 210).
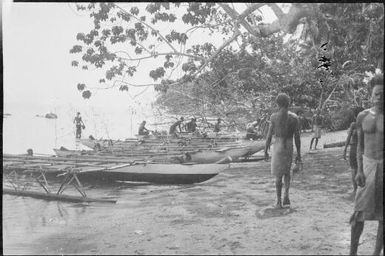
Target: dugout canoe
(164, 157)
(209, 156)
(157, 173)
(201, 156)
(69, 152)
(131, 144)
(113, 170)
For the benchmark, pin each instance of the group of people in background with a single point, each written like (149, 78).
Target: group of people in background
(365, 138)
(190, 126)
(179, 127)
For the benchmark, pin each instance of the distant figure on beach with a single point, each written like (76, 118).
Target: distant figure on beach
(316, 126)
(173, 127)
(368, 204)
(79, 125)
(252, 131)
(351, 141)
(217, 127)
(192, 125)
(284, 125)
(143, 130)
(264, 125)
(302, 121)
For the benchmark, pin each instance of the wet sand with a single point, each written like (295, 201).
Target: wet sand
(228, 214)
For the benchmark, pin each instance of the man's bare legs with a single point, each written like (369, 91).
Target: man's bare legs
(316, 142)
(278, 187)
(379, 239)
(286, 178)
(311, 142)
(356, 231)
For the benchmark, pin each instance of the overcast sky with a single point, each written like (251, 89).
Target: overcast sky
(37, 63)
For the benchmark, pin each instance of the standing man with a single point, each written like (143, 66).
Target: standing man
(251, 131)
(192, 125)
(284, 125)
(175, 125)
(316, 126)
(143, 130)
(217, 125)
(351, 141)
(368, 204)
(79, 125)
(301, 120)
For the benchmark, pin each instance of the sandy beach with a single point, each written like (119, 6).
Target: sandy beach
(228, 214)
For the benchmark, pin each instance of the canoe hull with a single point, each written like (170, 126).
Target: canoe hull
(158, 173)
(212, 156)
(151, 173)
(155, 178)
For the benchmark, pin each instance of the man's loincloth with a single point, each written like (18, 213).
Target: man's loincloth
(282, 156)
(368, 204)
(317, 132)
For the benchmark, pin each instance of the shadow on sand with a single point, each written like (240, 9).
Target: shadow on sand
(271, 212)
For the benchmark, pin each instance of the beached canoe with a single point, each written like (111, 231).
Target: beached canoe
(69, 152)
(211, 156)
(156, 173)
(131, 144)
(164, 157)
(89, 169)
(197, 155)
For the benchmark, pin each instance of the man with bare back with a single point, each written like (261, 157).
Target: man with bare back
(285, 126)
(368, 203)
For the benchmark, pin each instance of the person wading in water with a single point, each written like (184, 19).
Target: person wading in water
(284, 125)
(79, 125)
(368, 204)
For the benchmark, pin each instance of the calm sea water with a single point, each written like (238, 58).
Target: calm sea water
(23, 129)
(26, 220)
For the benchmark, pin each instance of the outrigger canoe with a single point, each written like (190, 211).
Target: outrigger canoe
(201, 156)
(88, 169)
(153, 143)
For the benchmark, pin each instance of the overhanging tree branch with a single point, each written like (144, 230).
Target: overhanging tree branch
(236, 18)
(226, 43)
(250, 10)
(153, 55)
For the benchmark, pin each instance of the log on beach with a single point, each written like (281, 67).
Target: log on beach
(335, 144)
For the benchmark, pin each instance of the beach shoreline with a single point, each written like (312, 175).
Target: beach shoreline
(228, 214)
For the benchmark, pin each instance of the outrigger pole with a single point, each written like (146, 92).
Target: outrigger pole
(54, 196)
(69, 177)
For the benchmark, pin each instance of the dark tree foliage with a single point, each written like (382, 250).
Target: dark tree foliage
(324, 67)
